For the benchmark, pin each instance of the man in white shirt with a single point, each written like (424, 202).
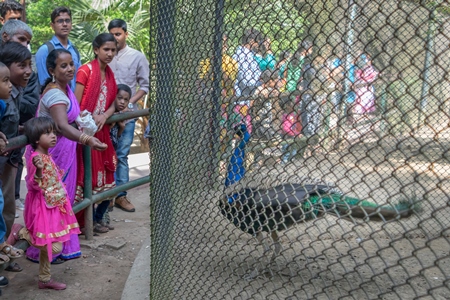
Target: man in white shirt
(130, 67)
(248, 69)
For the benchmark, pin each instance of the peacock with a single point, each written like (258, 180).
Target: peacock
(275, 209)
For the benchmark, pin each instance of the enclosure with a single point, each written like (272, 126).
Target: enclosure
(376, 131)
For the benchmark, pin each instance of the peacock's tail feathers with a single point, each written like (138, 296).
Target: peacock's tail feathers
(344, 206)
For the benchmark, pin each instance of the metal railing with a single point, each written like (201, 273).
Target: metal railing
(89, 198)
(385, 65)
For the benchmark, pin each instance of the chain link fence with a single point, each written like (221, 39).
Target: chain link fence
(300, 149)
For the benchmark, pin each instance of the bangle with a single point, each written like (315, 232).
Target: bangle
(84, 138)
(37, 177)
(87, 140)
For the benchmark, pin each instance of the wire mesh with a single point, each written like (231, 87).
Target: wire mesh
(300, 149)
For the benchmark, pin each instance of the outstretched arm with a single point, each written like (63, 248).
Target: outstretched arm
(59, 115)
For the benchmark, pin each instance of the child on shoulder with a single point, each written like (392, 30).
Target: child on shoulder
(48, 215)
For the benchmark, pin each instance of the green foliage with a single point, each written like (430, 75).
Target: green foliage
(281, 21)
(38, 18)
(89, 20)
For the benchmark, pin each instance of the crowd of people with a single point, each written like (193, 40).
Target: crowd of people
(287, 97)
(43, 105)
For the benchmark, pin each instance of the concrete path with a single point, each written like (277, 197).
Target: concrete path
(138, 282)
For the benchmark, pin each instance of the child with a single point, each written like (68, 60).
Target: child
(291, 128)
(121, 104)
(48, 215)
(18, 60)
(5, 92)
(10, 10)
(5, 87)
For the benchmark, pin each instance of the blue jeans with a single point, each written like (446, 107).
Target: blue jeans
(122, 150)
(2, 220)
(289, 150)
(100, 211)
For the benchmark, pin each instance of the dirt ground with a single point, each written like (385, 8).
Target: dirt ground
(101, 272)
(325, 258)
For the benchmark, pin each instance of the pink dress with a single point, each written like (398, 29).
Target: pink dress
(365, 93)
(48, 214)
(291, 124)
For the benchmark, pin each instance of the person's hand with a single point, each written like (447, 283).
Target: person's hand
(3, 143)
(121, 124)
(95, 144)
(99, 121)
(21, 129)
(37, 162)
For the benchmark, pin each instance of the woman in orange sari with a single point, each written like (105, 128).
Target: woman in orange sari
(95, 91)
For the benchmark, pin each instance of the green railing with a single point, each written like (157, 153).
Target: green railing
(89, 198)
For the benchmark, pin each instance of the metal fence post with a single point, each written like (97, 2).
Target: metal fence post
(427, 65)
(216, 91)
(87, 192)
(162, 190)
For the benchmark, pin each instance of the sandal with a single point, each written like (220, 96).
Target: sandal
(10, 251)
(83, 232)
(14, 235)
(58, 261)
(98, 228)
(3, 259)
(107, 225)
(14, 267)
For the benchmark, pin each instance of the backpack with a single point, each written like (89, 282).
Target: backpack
(51, 47)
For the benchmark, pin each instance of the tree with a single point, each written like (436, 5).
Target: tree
(90, 18)
(38, 18)
(281, 21)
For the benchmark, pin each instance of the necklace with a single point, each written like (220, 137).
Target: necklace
(53, 85)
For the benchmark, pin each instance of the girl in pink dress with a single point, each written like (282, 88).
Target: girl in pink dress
(49, 218)
(292, 128)
(365, 92)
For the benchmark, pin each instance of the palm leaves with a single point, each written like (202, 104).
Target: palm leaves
(91, 18)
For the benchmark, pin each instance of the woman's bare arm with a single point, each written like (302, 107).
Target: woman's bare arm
(79, 89)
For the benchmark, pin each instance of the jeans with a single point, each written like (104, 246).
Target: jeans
(336, 98)
(289, 150)
(2, 220)
(122, 150)
(311, 114)
(100, 211)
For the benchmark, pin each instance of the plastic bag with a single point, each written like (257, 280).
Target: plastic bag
(86, 123)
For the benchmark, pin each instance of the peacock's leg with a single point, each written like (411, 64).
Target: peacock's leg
(260, 237)
(255, 272)
(261, 240)
(276, 244)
